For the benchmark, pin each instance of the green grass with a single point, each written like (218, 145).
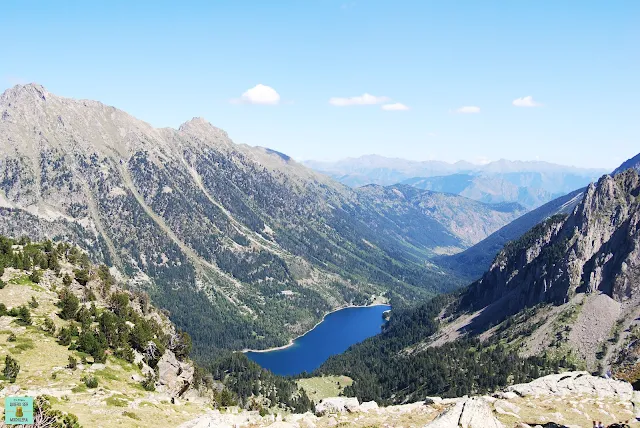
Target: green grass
(131, 415)
(318, 388)
(78, 389)
(22, 344)
(117, 401)
(108, 373)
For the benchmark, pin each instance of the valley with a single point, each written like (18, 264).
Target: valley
(274, 246)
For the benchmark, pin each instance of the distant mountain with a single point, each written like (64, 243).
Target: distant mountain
(242, 245)
(484, 188)
(374, 169)
(531, 184)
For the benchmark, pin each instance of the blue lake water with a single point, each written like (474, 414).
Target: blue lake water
(333, 335)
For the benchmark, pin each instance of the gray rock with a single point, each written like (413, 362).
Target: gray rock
(574, 383)
(174, 377)
(337, 405)
(471, 413)
(368, 405)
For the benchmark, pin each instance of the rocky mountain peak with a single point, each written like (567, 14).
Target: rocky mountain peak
(30, 91)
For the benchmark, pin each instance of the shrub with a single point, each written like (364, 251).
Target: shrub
(11, 338)
(11, 369)
(68, 304)
(24, 315)
(131, 415)
(2, 284)
(149, 382)
(82, 276)
(73, 363)
(49, 326)
(90, 381)
(3, 309)
(33, 302)
(36, 276)
(67, 280)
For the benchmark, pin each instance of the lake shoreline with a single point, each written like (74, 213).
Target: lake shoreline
(291, 342)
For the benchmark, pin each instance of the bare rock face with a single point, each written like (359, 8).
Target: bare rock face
(595, 249)
(468, 413)
(174, 377)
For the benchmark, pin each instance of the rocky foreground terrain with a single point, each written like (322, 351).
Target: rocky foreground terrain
(572, 399)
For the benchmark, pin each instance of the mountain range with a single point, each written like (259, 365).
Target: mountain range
(531, 184)
(242, 245)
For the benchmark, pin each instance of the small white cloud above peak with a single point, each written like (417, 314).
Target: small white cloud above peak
(362, 100)
(259, 94)
(526, 102)
(468, 109)
(395, 107)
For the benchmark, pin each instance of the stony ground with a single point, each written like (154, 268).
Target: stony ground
(571, 399)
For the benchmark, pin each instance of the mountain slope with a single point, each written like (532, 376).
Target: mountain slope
(476, 259)
(244, 246)
(563, 296)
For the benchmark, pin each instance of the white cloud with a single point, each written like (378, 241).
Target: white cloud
(364, 99)
(526, 102)
(468, 109)
(395, 107)
(259, 94)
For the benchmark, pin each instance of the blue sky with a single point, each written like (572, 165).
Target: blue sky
(165, 62)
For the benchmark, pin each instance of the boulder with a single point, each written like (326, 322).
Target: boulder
(174, 377)
(470, 413)
(337, 405)
(368, 405)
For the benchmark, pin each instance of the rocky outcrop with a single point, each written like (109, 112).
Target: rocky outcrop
(174, 377)
(337, 405)
(580, 383)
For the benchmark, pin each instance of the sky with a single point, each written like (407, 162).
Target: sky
(448, 80)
